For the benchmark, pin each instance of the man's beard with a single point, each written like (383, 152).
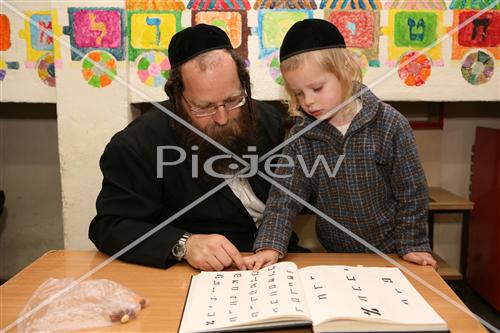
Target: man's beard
(236, 135)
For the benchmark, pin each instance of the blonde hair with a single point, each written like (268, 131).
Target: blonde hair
(338, 61)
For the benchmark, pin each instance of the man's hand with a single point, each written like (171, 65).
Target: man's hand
(261, 259)
(212, 253)
(421, 258)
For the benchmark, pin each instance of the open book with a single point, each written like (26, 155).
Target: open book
(331, 298)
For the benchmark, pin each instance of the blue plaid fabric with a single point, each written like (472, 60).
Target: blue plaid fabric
(379, 193)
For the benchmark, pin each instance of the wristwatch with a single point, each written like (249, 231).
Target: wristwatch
(179, 249)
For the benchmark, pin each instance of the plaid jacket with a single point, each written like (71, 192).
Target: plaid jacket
(379, 192)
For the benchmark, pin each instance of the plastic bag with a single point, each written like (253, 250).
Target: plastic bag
(86, 305)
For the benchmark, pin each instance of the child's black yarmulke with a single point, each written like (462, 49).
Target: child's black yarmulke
(309, 35)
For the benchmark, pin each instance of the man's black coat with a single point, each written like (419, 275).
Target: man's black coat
(133, 200)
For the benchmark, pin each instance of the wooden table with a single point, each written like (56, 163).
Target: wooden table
(442, 201)
(167, 289)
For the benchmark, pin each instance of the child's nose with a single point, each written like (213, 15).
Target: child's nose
(308, 99)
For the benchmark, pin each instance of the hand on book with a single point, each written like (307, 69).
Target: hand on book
(421, 258)
(261, 259)
(212, 253)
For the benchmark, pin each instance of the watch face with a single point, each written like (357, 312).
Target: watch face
(179, 250)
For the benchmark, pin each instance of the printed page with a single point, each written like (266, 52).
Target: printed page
(371, 293)
(225, 299)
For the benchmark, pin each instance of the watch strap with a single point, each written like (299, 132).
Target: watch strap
(179, 249)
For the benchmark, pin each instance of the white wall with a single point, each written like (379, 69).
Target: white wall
(86, 121)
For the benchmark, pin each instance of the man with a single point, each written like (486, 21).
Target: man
(145, 181)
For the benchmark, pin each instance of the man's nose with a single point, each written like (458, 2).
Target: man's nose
(220, 116)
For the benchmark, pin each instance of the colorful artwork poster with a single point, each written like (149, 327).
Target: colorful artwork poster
(361, 31)
(46, 70)
(153, 68)
(151, 30)
(478, 68)
(356, 27)
(5, 42)
(96, 28)
(483, 31)
(3, 70)
(156, 5)
(283, 5)
(99, 69)
(414, 68)
(229, 21)
(41, 32)
(415, 28)
(274, 24)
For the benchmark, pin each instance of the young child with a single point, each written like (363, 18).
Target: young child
(379, 192)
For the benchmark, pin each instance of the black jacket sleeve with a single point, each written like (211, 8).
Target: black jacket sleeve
(129, 206)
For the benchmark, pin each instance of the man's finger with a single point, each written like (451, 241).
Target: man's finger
(223, 258)
(235, 255)
(205, 266)
(215, 263)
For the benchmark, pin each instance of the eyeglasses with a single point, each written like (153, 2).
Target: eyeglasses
(229, 104)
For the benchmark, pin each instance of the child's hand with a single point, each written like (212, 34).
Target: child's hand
(421, 258)
(261, 259)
